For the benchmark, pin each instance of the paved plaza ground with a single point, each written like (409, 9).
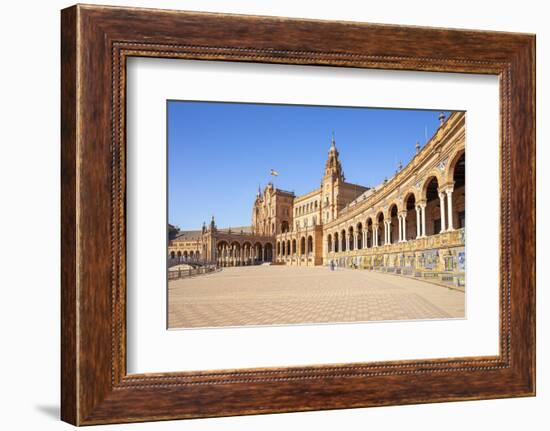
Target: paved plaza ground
(281, 295)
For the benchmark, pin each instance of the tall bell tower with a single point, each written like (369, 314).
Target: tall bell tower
(333, 178)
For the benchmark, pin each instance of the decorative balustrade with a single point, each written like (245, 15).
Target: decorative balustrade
(176, 274)
(452, 238)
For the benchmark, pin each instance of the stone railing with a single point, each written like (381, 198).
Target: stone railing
(452, 238)
(176, 274)
(438, 258)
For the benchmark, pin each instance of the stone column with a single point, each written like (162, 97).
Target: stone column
(388, 232)
(355, 238)
(404, 217)
(365, 236)
(449, 193)
(374, 235)
(418, 233)
(442, 210)
(423, 210)
(400, 230)
(404, 229)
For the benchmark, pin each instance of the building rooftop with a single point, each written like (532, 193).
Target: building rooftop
(236, 229)
(188, 235)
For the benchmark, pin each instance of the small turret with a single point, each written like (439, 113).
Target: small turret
(259, 193)
(212, 224)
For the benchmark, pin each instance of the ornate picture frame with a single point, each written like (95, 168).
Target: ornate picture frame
(96, 41)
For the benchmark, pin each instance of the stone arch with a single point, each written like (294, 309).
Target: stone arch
(430, 195)
(309, 244)
(360, 235)
(369, 224)
(336, 242)
(407, 195)
(343, 239)
(268, 252)
(258, 252)
(302, 245)
(235, 252)
(427, 179)
(351, 236)
(458, 193)
(284, 226)
(329, 242)
(411, 223)
(379, 223)
(451, 165)
(393, 219)
(394, 203)
(294, 246)
(172, 254)
(247, 248)
(222, 252)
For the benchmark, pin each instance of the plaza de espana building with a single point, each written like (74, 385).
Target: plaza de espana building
(411, 224)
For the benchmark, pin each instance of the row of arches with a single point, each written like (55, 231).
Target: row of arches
(302, 246)
(306, 208)
(436, 208)
(237, 254)
(267, 228)
(185, 256)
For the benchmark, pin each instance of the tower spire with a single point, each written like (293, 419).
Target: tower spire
(333, 166)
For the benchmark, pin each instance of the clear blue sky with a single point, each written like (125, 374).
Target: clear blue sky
(218, 153)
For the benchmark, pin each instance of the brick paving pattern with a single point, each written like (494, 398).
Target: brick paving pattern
(278, 295)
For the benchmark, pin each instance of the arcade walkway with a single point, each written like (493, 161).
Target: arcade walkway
(279, 295)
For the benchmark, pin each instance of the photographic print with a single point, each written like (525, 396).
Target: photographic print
(297, 214)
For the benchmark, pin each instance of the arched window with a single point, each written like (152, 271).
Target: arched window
(459, 193)
(433, 208)
(394, 228)
(343, 240)
(309, 244)
(412, 226)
